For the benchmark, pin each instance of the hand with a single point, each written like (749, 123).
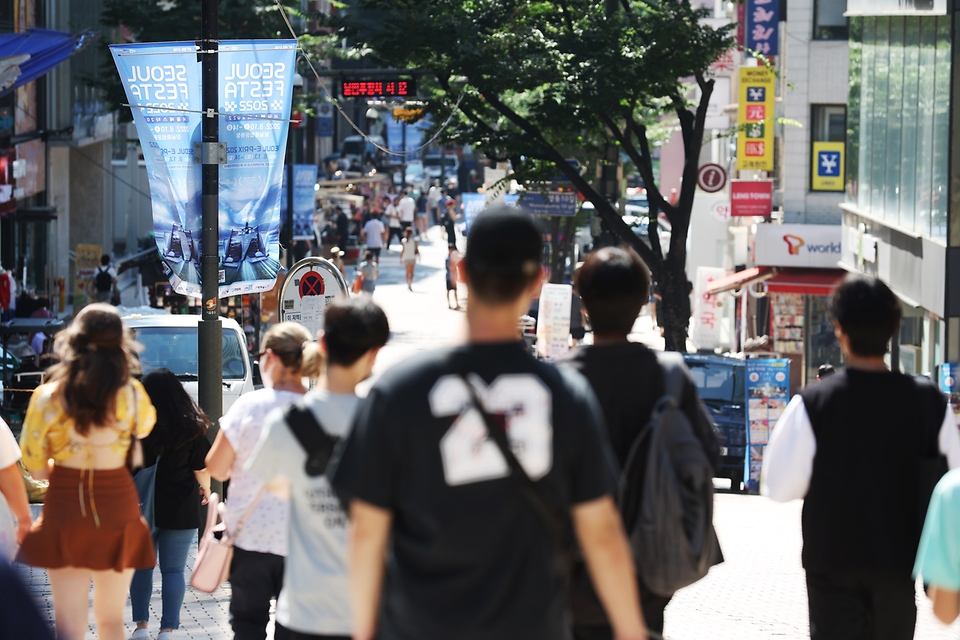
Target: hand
(206, 496)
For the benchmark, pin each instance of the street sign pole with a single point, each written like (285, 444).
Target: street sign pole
(209, 333)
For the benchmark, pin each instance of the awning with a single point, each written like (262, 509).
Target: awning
(814, 282)
(740, 279)
(27, 56)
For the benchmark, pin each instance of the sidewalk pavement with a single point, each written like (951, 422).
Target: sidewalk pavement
(758, 593)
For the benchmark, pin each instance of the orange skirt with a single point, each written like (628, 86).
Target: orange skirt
(91, 524)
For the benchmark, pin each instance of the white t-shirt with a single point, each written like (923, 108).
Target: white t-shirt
(433, 196)
(374, 233)
(408, 209)
(265, 530)
(9, 449)
(315, 598)
(393, 215)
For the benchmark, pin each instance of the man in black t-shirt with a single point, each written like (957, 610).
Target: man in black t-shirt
(469, 556)
(858, 448)
(614, 284)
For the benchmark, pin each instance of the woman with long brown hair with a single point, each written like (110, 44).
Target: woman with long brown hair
(78, 429)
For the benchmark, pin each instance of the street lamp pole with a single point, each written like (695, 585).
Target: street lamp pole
(211, 153)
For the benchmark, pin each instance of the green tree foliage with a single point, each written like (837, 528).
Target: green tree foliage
(535, 79)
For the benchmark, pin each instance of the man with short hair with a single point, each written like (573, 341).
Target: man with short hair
(471, 555)
(314, 602)
(373, 235)
(433, 199)
(407, 208)
(628, 379)
(853, 447)
(105, 280)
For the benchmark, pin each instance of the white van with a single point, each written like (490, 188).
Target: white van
(170, 341)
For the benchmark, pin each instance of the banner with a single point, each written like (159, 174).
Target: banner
(304, 200)
(553, 320)
(473, 203)
(707, 311)
(828, 167)
(768, 391)
(255, 90)
(755, 119)
(763, 34)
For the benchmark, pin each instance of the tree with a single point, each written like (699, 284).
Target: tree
(526, 79)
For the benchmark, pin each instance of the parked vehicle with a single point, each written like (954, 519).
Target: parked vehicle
(722, 387)
(357, 148)
(431, 168)
(415, 175)
(170, 341)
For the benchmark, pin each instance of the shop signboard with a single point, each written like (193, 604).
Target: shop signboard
(827, 172)
(553, 320)
(751, 198)
(304, 199)
(768, 391)
(798, 245)
(307, 290)
(755, 119)
(162, 83)
(88, 259)
(553, 203)
(763, 26)
(707, 312)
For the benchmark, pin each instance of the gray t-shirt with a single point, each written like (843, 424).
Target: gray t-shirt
(316, 592)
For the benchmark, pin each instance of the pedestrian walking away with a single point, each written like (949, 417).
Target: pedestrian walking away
(177, 446)
(85, 419)
(407, 208)
(434, 194)
(629, 381)
(450, 217)
(289, 354)
(293, 451)
(861, 522)
(373, 235)
(105, 281)
(451, 265)
(423, 222)
(477, 517)
(409, 254)
(938, 558)
(367, 272)
(394, 228)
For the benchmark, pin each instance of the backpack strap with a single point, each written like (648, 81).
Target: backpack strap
(674, 374)
(311, 435)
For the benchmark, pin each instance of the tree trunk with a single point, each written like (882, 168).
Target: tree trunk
(674, 308)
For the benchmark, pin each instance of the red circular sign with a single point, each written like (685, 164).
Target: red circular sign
(311, 284)
(711, 178)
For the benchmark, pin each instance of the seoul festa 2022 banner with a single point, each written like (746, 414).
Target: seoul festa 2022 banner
(162, 82)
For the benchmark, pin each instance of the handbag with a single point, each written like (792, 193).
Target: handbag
(212, 567)
(134, 460)
(145, 481)
(358, 283)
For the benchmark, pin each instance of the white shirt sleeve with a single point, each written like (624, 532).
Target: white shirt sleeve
(9, 449)
(788, 458)
(949, 438)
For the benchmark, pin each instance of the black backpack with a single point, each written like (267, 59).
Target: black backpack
(103, 280)
(318, 444)
(666, 499)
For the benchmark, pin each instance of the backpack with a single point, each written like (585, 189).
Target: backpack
(318, 444)
(103, 280)
(666, 499)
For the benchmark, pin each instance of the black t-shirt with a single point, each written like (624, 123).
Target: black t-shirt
(470, 558)
(177, 493)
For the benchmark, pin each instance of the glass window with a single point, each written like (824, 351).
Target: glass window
(941, 131)
(891, 186)
(723, 382)
(881, 80)
(175, 348)
(865, 162)
(829, 123)
(908, 163)
(925, 98)
(829, 23)
(853, 104)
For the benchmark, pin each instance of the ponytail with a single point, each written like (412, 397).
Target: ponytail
(296, 348)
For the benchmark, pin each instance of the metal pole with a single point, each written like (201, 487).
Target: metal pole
(403, 166)
(288, 219)
(209, 333)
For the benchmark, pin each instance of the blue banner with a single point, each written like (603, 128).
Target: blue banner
(473, 204)
(768, 391)
(763, 32)
(162, 82)
(304, 200)
(324, 120)
(553, 203)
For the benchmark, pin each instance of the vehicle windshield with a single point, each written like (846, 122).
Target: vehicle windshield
(352, 147)
(434, 161)
(718, 382)
(175, 348)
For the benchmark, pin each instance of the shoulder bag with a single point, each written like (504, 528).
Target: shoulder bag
(135, 450)
(213, 559)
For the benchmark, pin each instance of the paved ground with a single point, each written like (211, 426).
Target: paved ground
(758, 593)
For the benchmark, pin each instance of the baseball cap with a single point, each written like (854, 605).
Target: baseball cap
(504, 241)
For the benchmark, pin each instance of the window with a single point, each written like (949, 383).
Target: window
(829, 23)
(829, 123)
(175, 348)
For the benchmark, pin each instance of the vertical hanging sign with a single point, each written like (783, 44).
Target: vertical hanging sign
(162, 83)
(304, 200)
(755, 119)
(763, 32)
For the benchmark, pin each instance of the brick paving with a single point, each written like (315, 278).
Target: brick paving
(758, 593)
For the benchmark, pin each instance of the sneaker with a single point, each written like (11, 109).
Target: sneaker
(140, 634)
(165, 635)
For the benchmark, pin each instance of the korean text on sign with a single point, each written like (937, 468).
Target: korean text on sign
(755, 121)
(763, 21)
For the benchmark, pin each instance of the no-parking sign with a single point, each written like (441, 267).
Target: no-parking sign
(311, 284)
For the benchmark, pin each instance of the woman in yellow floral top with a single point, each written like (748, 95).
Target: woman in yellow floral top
(77, 432)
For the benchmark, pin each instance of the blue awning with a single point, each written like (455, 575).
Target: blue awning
(27, 56)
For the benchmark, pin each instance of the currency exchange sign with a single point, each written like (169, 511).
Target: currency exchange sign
(755, 119)
(162, 83)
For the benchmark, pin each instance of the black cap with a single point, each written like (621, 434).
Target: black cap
(504, 240)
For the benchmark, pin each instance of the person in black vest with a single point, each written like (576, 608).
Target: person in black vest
(614, 284)
(853, 446)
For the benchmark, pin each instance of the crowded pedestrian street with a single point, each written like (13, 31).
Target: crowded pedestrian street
(758, 593)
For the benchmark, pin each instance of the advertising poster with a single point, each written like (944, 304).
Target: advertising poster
(755, 119)
(828, 173)
(707, 311)
(553, 320)
(473, 204)
(162, 80)
(768, 392)
(304, 200)
(88, 259)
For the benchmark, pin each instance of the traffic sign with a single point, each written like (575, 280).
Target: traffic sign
(711, 177)
(310, 285)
